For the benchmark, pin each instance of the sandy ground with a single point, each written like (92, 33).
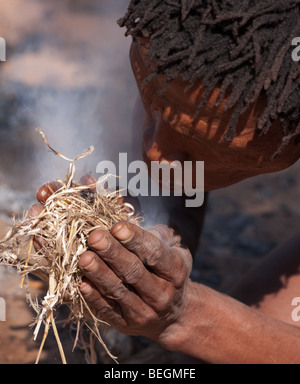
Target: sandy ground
(72, 57)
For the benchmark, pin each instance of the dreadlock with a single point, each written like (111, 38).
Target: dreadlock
(239, 45)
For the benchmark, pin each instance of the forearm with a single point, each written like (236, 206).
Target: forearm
(218, 329)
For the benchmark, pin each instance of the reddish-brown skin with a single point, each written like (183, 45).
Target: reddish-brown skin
(172, 133)
(46, 191)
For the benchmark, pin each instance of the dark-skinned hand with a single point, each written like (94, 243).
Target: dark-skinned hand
(134, 279)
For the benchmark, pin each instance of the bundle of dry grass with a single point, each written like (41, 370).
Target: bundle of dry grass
(70, 214)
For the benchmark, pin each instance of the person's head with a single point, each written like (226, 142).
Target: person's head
(218, 83)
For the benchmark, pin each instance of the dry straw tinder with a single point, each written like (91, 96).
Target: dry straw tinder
(69, 215)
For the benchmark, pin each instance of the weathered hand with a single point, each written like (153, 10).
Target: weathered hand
(136, 279)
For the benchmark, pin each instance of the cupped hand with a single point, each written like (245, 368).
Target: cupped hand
(136, 279)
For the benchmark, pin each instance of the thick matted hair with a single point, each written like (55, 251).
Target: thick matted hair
(242, 46)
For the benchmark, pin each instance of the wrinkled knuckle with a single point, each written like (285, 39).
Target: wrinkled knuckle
(153, 259)
(145, 242)
(134, 275)
(103, 311)
(153, 254)
(180, 274)
(137, 241)
(144, 319)
(118, 292)
(180, 279)
(165, 301)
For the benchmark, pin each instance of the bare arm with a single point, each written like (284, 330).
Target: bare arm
(218, 329)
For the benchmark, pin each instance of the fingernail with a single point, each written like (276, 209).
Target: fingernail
(44, 192)
(99, 241)
(87, 261)
(122, 232)
(35, 210)
(85, 288)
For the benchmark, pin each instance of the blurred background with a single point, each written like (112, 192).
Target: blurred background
(68, 73)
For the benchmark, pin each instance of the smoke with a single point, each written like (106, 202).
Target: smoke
(71, 121)
(68, 74)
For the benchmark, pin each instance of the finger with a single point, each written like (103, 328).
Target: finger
(129, 268)
(171, 263)
(105, 309)
(35, 210)
(89, 180)
(44, 192)
(106, 281)
(128, 320)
